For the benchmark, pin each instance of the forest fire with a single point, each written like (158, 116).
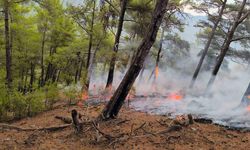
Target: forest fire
(176, 96)
(156, 72)
(84, 95)
(248, 108)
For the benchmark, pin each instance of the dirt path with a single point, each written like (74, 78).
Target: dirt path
(196, 136)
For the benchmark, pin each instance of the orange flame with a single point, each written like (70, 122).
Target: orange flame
(156, 72)
(175, 96)
(85, 95)
(248, 108)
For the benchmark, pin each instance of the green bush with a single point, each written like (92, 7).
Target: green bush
(35, 102)
(72, 93)
(16, 105)
(51, 95)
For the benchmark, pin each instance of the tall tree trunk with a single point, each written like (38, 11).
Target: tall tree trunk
(42, 59)
(91, 64)
(116, 44)
(113, 107)
(20, 84)
(239, 19)
(80, 69)
(7, 44)
(91, 35)
(204, 53)
(32, 76)
(86, 84)
(25, 81)
(51, 69)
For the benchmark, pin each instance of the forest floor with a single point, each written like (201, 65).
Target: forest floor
(131, 130)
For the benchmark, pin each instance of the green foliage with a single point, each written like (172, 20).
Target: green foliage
(51, 95)
(72, 93)
(15, 105)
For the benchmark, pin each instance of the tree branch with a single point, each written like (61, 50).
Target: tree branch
(112, 6)
(240, 38)
(243, 17)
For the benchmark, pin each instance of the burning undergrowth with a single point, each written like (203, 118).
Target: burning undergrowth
(168, 94)
(222, 104)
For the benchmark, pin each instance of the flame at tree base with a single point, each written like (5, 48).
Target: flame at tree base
(84, 95)
(248, 108)
(175, 96)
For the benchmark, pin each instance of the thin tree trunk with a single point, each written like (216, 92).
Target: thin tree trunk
(205, 51)
(91, 35)
(58, 75)
(25, 81)
(91, 64)
(153, 73)
(80, 70)
(51, 70)
(85, 87)
(116, 44)
(113, 107)
(226, 45)
(42, 60)
(20, 84)
(158, 57)
(32, 76)
(76, 75)
(7, 44)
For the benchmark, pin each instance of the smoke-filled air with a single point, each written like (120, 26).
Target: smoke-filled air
(125, 74)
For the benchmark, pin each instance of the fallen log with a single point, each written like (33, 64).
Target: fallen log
(66, 120)
(50, 129)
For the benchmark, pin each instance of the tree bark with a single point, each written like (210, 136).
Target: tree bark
(116, 44)
(7, 44)
(239, 19)
(91, 35)
(32, 76)
(91, 64)
(86, 84)
(42, 60)
(113, 107)
(205, 51)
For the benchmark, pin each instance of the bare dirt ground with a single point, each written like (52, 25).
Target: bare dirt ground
(131, 130)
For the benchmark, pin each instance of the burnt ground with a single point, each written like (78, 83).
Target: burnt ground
(131, 130)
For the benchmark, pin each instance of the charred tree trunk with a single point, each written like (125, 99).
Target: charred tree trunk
(116, 44)
(158, 57)
(239, 19)
(204, 53)
(7, 44)
(113, 107)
